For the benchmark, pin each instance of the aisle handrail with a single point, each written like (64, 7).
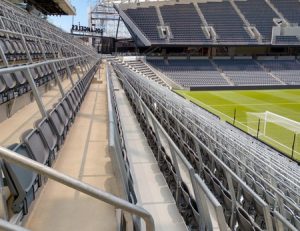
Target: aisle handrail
(5, 225)
(71, 182)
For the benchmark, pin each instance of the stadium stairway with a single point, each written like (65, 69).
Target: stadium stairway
(140, 67)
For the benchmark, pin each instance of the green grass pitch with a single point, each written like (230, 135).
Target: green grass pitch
(285, 103)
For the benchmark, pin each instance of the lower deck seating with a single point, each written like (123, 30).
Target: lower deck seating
(190, 73)
(288, 71)
(287, 40)
(245, 72)
(236, 72)
(42, 143)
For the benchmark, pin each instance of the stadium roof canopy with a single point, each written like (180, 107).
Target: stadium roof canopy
(54, 7)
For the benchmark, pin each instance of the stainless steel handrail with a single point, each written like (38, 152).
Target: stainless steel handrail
(5, 225)
(71, 182)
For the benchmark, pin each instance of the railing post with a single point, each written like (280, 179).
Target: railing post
(69, 73)
(5, 225)
(57, 79)
(35, 92)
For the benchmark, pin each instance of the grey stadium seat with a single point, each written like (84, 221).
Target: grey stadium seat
(57, 124)
(37, 146)
(50, 136)
(10, 84)
(22, 182)
(67, 109)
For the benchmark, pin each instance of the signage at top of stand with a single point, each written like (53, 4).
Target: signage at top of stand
(85, 29)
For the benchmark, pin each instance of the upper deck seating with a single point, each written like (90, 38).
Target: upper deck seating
(146, 20)
(184, 22)
(226, 22)
(289, 8)
(259, 14)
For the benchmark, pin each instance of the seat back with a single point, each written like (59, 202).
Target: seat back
(67, 108)
(36, 145)
(56, 123)
(62, 115)
(48, 132)
(71, 103)
(9, 81)
(19, 75)
(244, 220)
(2, 84)
(21, 181)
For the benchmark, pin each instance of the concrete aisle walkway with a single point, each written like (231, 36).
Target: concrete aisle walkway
(84, 156)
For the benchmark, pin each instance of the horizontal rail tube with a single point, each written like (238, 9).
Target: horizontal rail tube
(5, 225)
(78, 185)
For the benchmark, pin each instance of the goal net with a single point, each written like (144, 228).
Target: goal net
(275, 129)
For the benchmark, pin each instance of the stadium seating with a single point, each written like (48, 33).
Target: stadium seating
(40, 144)
(245, 72)
(291, 40)
(226, 22)
(33, 49)
(222, 16)
(259, 14)
(237, 72)
(252, 161)
(147, 20)
(27, 40)
(189, 73)
(288, 71)
(188, 28)
(289, 8)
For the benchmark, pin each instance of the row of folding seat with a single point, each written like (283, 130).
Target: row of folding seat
(15, 51)
(42, 144)
(214, 175)
(36, 33)
(15, 84)
(215, 178)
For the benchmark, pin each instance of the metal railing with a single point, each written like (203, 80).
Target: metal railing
(5, 225)
(71, 182)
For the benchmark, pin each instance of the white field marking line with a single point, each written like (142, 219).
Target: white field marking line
(281, 144)
(253, 104)
(206, 106)
(269, 138)
(248, 128)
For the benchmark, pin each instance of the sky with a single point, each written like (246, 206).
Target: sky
(82, 8)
